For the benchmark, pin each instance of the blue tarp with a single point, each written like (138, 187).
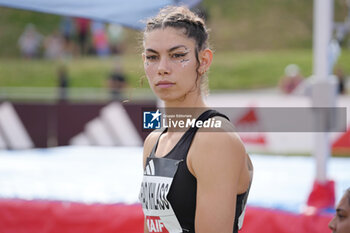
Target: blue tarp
(128, 13)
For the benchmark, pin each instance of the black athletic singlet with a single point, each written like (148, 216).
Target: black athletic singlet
(168, 191)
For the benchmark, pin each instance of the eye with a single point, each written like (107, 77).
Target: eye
(178, 55)
(151, 57)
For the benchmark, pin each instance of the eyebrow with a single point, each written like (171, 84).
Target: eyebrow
(169, 50)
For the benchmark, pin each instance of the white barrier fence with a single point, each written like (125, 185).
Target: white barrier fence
(13, 134)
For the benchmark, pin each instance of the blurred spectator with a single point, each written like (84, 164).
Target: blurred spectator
(63, 83)
(67, 31)
(339, 73)
(342, 29)
(334, 51)
(292, 78)
(53, 45)
(115, 38)
(29, 42)
(117, 83)
(82, 26)
(99, 38)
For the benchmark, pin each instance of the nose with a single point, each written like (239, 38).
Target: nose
(331, 224)
(163, 67)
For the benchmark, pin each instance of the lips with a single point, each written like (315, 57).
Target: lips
(164, 84)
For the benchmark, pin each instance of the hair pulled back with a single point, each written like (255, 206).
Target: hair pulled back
(181, 17)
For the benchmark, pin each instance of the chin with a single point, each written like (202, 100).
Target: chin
(167, 97)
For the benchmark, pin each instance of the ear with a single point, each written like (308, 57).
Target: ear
(205, 59)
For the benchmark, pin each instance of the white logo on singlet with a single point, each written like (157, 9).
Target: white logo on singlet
(150, 170)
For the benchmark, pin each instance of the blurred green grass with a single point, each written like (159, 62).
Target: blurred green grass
(13, 23)
(229, 71)
(235, 25)
(253, 42)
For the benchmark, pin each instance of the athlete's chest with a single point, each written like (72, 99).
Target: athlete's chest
(158, 178)
(167, 143)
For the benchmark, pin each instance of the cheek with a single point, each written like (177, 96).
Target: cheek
(150, 69)
(186, 65)
(343, 225)
(347, 224)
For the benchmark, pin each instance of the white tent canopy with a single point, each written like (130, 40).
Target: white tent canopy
(129, 13)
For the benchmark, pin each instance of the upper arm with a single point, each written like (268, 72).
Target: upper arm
(217, 167)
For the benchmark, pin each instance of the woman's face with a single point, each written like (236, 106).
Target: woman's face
(341, 221)
(170, 64)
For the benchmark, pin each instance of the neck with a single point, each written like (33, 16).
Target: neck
(180, 109)
(190, 101)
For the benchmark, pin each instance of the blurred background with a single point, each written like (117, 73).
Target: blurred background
(50, 60)
(253, 42)
(69, 83)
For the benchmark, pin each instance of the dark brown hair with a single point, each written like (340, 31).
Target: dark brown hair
(181, 17)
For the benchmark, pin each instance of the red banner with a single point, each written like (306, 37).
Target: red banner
(17, 216)
(275, 221)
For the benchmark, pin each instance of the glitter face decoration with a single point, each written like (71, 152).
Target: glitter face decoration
(184, 62)
(180, 56)
(176, 55)
(169, 56)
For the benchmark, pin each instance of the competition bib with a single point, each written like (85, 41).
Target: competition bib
(157, 179)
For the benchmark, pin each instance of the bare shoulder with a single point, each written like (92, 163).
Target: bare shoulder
(148, 144)
(226, 125)
(217, 146)
(221, 140)
(224, 138)
(150, 140)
